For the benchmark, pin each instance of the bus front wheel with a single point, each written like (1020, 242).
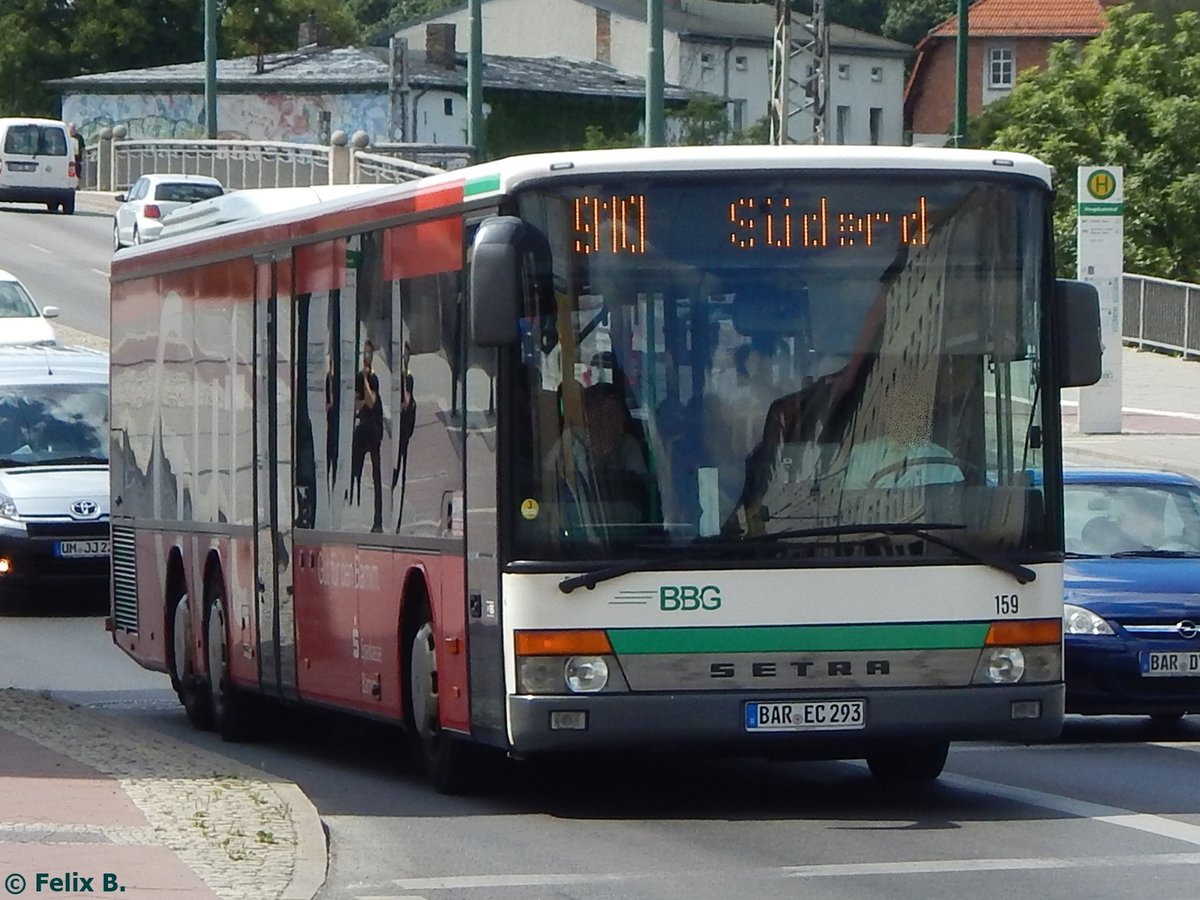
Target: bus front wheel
(908, 763)
(230, 707)
(189, 687)
(450, 763)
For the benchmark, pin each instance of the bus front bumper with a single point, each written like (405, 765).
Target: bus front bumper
(1023, 714)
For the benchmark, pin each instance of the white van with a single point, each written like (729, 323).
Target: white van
(37, 163)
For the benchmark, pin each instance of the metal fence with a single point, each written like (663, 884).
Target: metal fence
(1163, 315)
(115, 163)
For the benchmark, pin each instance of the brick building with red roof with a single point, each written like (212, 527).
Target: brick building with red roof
(1005, 37)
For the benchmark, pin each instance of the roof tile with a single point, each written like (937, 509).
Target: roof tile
(1029, 18)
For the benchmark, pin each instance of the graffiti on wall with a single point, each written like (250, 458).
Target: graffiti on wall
(307, 119)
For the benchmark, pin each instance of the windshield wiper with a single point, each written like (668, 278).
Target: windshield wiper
(1023, 574)
(73, 460)
(1154, 554)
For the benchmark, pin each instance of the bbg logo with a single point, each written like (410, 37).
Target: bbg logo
(684, 597)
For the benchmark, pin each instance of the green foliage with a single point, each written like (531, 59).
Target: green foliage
(273, 25)
(1129, 99)
(911, 20)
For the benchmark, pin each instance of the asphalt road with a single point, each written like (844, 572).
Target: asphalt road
(1111, 811)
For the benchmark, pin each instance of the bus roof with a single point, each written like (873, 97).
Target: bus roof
(504, 175)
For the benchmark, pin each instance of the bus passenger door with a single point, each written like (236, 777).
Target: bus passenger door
(273, 443)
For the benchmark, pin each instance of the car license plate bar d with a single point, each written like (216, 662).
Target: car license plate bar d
(81, 549)
(806, 715)
(22, 166)
(1171, 664)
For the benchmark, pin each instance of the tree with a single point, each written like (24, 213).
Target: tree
(1129, 99)
(45, 39)
(910, 20)
(250, 26)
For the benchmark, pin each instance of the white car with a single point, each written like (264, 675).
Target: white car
(21, 322)
(139, 217)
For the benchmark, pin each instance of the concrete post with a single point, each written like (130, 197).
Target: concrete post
(339, 158)
(360, 141)
(104, 154)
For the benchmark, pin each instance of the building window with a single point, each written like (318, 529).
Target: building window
(706, 62)
(876, 123)
(843, 123)
(877, 73)
(741, 63)
(448, 106)
(843, 70)
(1000, 68)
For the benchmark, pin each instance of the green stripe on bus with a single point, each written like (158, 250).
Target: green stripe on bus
(799, 638)
(487, 185)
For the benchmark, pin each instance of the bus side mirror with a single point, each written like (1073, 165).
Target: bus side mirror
(510, 263)
(1078, 338)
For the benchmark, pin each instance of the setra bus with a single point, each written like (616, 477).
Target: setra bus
(750, 449)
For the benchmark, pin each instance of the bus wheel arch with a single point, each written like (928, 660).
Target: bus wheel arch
(451, 763)
(181, 642)
(231, 707)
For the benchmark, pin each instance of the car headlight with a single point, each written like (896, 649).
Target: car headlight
(8, 508)
(1077, 620)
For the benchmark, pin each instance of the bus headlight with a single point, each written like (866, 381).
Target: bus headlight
(586, 674)
(1005, 665)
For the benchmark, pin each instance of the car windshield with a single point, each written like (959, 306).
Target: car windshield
(15, 302)
(1131, 519)
(61, 423)
(186, 192)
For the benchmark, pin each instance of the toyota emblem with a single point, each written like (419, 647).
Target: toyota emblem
(1187, 629)
(89, 509)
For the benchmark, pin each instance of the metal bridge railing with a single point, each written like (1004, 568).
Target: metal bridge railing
(1158, 314)
(115, 163)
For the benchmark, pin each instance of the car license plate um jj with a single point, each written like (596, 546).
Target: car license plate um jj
(1170, 664)
(806, 715)
(80, 549)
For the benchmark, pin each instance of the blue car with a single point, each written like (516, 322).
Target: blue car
(1131, 622)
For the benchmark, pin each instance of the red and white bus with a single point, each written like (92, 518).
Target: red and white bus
(748, 448)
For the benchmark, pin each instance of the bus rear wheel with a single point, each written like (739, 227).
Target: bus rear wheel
(189, 687)
(908, 763)
(230, 707)
(451, 764)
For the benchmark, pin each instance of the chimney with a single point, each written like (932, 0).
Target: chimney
(312, 32)
(439, 45)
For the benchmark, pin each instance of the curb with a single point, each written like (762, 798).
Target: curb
(246, 834)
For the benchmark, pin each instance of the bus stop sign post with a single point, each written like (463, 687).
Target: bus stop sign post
(1100, 255)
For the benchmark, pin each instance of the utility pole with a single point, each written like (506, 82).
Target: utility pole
(960, 84)
(210, 68)
(799, 76)
(655, 133)
(475, 135)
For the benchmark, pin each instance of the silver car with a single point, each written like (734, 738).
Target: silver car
(139, 217)
(54, 509)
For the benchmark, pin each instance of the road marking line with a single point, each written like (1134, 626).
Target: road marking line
(40, 247)
(103, 272)
(833, 870)
(1111, 815)
(944, 866)
(1139, 411)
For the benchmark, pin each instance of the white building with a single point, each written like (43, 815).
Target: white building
(721, 48)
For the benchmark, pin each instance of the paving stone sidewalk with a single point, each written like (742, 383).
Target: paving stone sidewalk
(86, 795)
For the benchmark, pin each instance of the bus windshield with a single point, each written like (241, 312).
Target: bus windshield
(721, 361)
